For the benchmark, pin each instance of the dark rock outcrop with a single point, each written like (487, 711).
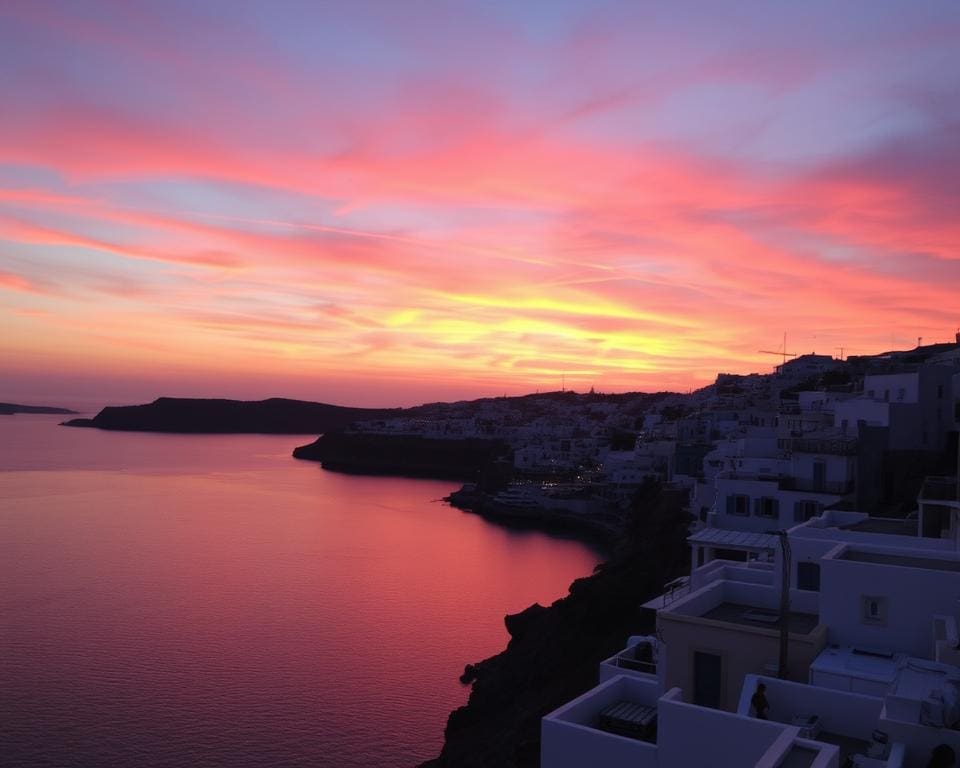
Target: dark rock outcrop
(198, 416)
(408, 455)
(8, 409)
(554, 652)
(601, 531)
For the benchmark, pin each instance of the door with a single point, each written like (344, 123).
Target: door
(707, 679)
(819, 476)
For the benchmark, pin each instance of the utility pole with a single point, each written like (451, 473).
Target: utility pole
(784, 604)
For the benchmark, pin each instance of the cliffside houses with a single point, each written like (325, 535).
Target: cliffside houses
(849, 621)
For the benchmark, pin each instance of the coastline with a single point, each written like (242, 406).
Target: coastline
(553, 651)
(591, 531)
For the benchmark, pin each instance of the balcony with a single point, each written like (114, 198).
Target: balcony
(673, 590)
(848, 721)
(638, 659)
(749, 572)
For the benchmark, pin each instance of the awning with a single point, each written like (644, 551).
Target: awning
(724, 539)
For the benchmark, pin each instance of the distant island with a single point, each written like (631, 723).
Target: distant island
(8, 409)
(276, 416)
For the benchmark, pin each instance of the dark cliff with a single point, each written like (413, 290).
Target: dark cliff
(554, 653)
(189, 415)
(410, 455)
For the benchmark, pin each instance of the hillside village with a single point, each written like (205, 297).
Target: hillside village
(825, 559)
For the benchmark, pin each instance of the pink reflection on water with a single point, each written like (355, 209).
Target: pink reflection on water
(211, 599)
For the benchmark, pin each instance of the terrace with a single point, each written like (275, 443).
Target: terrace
(585, 731)
(903, 561)
(848, 721)
(575, 735)
(749, 616)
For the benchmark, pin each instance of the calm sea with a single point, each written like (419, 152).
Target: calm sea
(209, 601)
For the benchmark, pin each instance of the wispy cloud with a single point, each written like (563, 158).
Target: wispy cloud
(474, 199)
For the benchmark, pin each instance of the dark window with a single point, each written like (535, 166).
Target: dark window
(766, 507)
(738, 504)
(808, 576)
(874, 610)
(805, 509)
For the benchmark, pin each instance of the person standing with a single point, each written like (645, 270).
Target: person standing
(759, 701)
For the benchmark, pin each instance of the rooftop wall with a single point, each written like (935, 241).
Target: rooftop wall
(688, 735)
(910, 597)
(848, 714)
(570, 738)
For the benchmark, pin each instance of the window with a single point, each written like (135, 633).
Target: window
(901, 393)
(804, 509)
(766, 507)
(808, 576)
(738, 504)
(874, 610)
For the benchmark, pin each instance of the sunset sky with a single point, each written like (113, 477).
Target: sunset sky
(383, 203)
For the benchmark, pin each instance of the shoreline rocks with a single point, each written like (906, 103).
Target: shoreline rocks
(554, 651)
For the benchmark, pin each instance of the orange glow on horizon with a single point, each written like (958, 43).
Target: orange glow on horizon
(435, 221)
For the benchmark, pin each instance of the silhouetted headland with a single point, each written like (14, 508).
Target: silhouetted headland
(8, 409)
(407, 455)
(211, 416)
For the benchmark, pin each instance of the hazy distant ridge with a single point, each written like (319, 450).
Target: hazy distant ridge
(7, 409)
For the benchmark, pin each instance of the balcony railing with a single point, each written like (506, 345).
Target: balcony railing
(808, 485)
(625, 660)
(833, 446)
(939, 489)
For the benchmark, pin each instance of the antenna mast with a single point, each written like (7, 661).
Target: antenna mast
(781, 352)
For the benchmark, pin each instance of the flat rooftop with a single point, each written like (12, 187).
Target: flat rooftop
(905, 561)
(889, 525)
(765, 618)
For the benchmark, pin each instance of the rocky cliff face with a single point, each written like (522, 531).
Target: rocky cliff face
(554, 652)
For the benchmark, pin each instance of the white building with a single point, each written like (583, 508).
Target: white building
(870, 671)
